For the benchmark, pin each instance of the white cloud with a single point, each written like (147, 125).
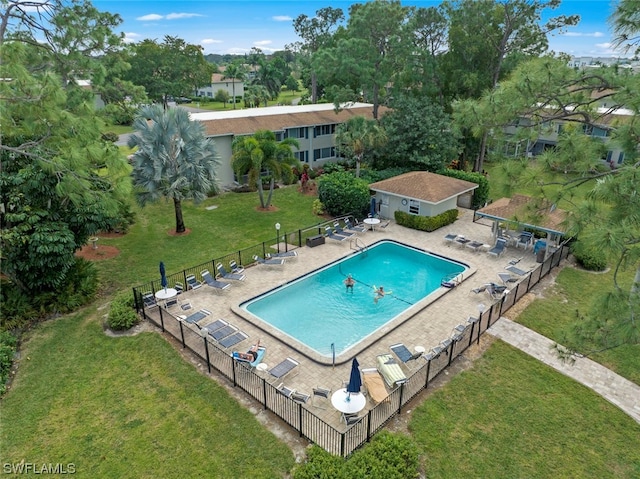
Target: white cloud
(130, 37)
(150, 18)
(262, 43)
(175, 16)
(209, 41)
(282, 18)
(237, 51)
(578, 34)
(606, 45)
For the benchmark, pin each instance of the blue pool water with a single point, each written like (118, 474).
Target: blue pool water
(317, 311)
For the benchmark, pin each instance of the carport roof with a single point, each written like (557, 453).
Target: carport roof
(518, 208)
(423, 186)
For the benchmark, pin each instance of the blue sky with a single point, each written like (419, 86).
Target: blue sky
(235, 26)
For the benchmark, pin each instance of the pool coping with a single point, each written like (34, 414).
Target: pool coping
(348, 354)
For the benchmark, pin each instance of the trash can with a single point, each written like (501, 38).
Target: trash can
(540, 255)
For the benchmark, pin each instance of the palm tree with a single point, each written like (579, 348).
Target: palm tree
(234, 72)
(268, 77)
(174, 159)
(259, 152)
(255, 95)
(357, 135)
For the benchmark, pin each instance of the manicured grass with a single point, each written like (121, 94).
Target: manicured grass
(570, 298)
(117, 129)
(236, 223)
(128, 407)
(513, 417)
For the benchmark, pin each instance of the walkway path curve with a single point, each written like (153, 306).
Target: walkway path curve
(614, 388)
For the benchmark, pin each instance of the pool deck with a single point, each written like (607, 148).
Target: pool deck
(426, 329)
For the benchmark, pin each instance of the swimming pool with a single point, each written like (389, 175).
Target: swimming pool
(317, 311)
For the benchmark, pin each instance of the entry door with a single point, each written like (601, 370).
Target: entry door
(384, 206)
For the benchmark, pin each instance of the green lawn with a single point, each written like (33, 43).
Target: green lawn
(236, 223)
(133, 407)
(513, 417)
(128, 407)
(570, 296)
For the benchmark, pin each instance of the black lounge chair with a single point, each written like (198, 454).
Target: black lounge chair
(283, 254)
(231, 276)
(339, 230)
(214, 283)
(211, 327)
(272, 261)
(352, 227)
(192, 282)
(235, 267)
(197, 316)
(404, 354)
(329, 233)
(233, 339)
(149, 300)
(223, 332)
(279, 371)
(499, 248)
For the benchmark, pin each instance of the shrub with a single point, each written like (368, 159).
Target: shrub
(17, 309)
(110, 136)
(481, 193)
(388, 455)
(318, 207)
(588, 258)
(341, 193)
(122, 314)
(7, 351)
(426, 223)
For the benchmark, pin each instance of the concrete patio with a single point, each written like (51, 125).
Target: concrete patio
(425, 329)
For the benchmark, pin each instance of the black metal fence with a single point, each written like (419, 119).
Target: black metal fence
(301, 417)
(245, 256)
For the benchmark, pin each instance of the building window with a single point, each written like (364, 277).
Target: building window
(302, 156)
(279, 135)
(609, 156)
(414, 207)
(621, 158)
(301, 132)
(322, 130)
(323, 153)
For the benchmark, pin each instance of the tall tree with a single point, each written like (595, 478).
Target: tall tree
(260, 153)
(357, 136)
(420, 133)
(316, 33)
(626, 25)
(269, 77)
(234, 72)
(546, 90)
(484, 34)
(427, 28)
(53, 197)
(173, 68)
(173, 160)
(372, 51)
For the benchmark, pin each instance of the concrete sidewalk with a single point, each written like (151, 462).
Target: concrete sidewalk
(614, 388)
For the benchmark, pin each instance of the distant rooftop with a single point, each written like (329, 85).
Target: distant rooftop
(273, 110)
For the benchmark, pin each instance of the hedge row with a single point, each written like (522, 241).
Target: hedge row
(426, 223)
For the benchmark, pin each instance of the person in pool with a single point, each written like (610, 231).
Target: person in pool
(379, 294)
(349, 282)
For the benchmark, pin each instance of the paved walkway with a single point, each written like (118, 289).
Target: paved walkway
(614, 388)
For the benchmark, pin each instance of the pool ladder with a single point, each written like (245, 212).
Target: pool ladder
(452, 280)
(357, 244)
